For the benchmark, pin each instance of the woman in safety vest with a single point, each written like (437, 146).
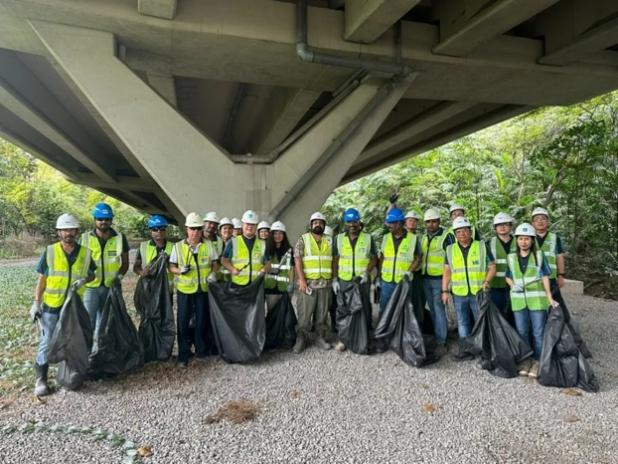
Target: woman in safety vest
(279, 252)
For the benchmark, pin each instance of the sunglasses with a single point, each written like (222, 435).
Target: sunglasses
(157, 229)
(196, 228)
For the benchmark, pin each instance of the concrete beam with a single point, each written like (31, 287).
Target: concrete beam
(464, 25)
(164, 9)
(164, 86)
(367, 20)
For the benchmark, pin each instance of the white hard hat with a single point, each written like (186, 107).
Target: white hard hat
(278, 225)
(225, 222)
(211, 216)
(194, 220)
(263, 225)
(502, 218)
(250, 217)
(236, 223)
(461, 222)
(315, 216)
(328, 230)
(525, 229)
(431, 214)
(412, 214)
(67, 221)
(455, 207)
(538, 211)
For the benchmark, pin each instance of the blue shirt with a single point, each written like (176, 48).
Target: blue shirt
(523, 265)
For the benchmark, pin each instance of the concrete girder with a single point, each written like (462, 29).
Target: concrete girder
(192, 171)
(575, 29)
(367, 20)
(164, 85)
(164, 9)
(464, 25)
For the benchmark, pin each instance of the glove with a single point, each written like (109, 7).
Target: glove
(336, 286)
(290, 287)
(212, 278)
(35, 310)
(184, 269)
(393, 198)
(364, 278)
(79, 283)
(274, 271)
(407, 275)
(378, 283)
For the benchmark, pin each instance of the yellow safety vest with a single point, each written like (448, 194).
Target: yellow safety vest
(318, 258)
(467, 275)
(248, 263)
(549, 249)
(281, 280)
(198, 273)
(108, 260)
(533, 295)
(395, 265)
(500, 255)
(353, 261)
(60, 275)
(148, 253)
(433, 254)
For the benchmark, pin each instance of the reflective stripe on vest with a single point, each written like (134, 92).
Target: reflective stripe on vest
(353, 261)
(395, 265)
(248, 263)
(467, 275)
(198, 273)
(317, 259)
(533, 297)
(433, 254)
(500, 256)
(60, 275)
(148, 254)
(549, 249)
(281, 280)
(109, 260)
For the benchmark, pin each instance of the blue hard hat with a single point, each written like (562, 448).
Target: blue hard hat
(395, 215)
(156, 221)
(102, 211)
(351, 215)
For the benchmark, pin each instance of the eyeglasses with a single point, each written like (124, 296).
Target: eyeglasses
(157, 229)
(196, 228)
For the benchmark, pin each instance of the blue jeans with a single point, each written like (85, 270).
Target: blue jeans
(523, 320)
(386, 291)
(48, 324)
(433, 294)
(467, 312)
(94, 299)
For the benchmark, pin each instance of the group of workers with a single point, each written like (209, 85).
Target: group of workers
(521, 272)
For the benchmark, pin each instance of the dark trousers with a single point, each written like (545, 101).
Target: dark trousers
(190, 305)
(502, 299)
(418, 297)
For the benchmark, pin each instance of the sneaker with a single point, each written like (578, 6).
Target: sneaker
(322, 344)
(299, 346)
(534, 370)
(41, 388)
(524, 367)
(340, 347)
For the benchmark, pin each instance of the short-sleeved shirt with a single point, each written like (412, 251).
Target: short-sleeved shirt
(559, 248)
(138, 254)
(523, 265)
(299, 252)
(112, 233)
(489, 257)
(372, 246)
(228, 252)
(43, 268)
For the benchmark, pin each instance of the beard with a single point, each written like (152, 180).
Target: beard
(318, 230)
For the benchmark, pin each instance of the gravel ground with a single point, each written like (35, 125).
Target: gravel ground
(330, 407)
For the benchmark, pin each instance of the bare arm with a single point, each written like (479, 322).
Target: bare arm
(446, 280)
(298, 267)
(40, 287)
(124, 267)
(491, 273)
(560, 269)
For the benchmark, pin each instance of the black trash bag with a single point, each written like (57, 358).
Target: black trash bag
(238, 320)
(493, 339)
(353, 306)
(562, 362)
(574, 327)
(399, 328)
(71, 342)
(281, 325)
(116, 347)
(153, 302)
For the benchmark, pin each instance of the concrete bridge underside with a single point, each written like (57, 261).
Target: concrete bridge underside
(181, 105)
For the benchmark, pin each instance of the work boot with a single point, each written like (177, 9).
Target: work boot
(40, 386)
(534, 370)
(300, 344)
(340, 347)
(524, 367)
(322, 344)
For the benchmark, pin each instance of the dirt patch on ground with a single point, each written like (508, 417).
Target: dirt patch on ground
(602, 287)
(237, 412)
